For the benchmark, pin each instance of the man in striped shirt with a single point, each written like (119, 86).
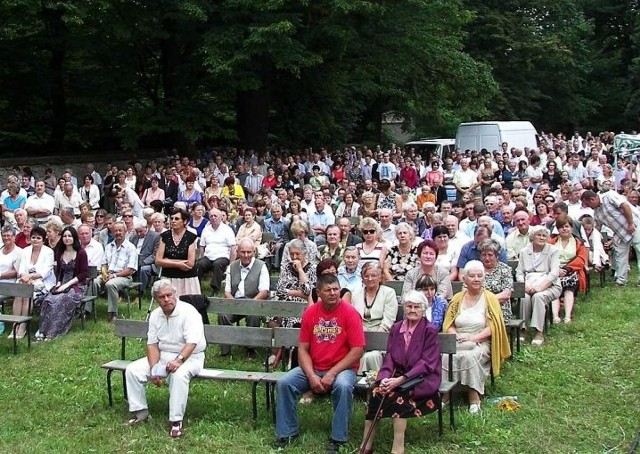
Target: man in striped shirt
(614, 211)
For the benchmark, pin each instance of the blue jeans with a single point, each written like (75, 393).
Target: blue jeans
(295, 383)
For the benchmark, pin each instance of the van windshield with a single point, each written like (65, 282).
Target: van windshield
(426, 150)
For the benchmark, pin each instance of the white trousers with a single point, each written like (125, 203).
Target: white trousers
(137, 376)
(621, 256)
(534, 307)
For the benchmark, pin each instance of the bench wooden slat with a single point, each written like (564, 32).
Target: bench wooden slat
(286, 337)
(131, 328)
(256, 307)
(238, 335)
(118, 364)
(16, 290)
(15, 318)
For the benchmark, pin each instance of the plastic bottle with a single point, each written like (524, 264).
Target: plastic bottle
(497, 400)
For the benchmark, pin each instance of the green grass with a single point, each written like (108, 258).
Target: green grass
(579, 393)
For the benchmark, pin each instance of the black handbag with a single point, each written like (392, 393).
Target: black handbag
(409, 384)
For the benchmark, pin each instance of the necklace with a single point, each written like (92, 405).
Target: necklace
(367, 306)
(372, 249)
(467, 300)
(177, 238)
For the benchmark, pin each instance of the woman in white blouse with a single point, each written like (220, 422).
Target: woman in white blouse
(36, 268)
(90, 193)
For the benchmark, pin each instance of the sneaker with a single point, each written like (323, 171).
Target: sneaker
(283, 442)
(176, 429)
(474, 409)
(333, 447)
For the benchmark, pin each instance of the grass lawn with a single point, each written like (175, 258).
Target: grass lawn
(579, 393)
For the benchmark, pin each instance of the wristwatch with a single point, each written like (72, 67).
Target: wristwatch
(180, 357)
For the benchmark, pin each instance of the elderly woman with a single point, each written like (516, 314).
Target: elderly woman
(58, 307)
(53, 229)
(297, 279)
(475, 317)
(427, 256)
(190, 194)
(250, 228)
(334, 249)
(348, 208)
(403, 256)
(368, 208)
(574, 258)
(411, 217)
(413, 350)
(447, 254)
(498, 277)
(36, 268)
(436, 305)
(153, 193)
(9, 258)
(12, 202)
(158, 222)
(539, 269)
(373, 248)
(300, 230)
(349, 272)
(378, 306)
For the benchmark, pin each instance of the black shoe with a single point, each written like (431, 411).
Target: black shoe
(252, 355)
(283, 442)
(333, 447)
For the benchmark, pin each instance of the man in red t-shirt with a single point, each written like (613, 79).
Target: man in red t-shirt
(331, 344)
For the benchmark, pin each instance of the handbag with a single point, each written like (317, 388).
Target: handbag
(409, 384)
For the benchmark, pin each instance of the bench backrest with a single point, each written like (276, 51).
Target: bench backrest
(262, 308)
(395, 285)
(273, 282)
(16, 290)
(215, 334)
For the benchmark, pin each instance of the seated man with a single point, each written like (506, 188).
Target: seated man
(279, 226)
(146, 242)
(118, 265)
(175, 351)
(330, 346)
(217, 249)
(247, 277)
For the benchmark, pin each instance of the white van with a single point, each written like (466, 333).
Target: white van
(491, 135)
(427, 148)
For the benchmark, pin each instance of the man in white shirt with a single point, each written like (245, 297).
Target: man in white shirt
(386, 169)
(519, 237)
(94, 250)
(218, 248)
(68, 199)
(247, 278)
(457, 239)
(388, 228)
(320, 218)
(465, 180)
(40, 205)
(175, 352)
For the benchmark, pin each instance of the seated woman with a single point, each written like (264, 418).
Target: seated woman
(36, 268)
(598, 257)
(403, 256)
(300, 231)
(435, 305)
(378, 306)
(428, 254)
(297, 279)
(474, 315)
(574, 259)
(498, 277)
(373, 249)
(328, 266)
(59, 306)
(539, 269)
(250, 228)
(413, 350)
(448, 254)
(349, 273)
(334, 248)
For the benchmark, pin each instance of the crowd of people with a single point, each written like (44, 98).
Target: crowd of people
(347, 222)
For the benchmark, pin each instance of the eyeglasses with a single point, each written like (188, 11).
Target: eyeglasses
(368, 232)
(371, 277)
(99, 215)
(127, 215)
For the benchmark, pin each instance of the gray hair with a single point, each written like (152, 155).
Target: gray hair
(7, 228)
(297, 244)
(416, 297)
(489, 245)
(249, 242)
(160, 284)
(405, 225)
(533, 231)
(473, 265)
(409, 206)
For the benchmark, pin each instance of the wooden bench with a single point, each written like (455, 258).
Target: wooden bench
(288, 337)
(15, 290)
(230, 335)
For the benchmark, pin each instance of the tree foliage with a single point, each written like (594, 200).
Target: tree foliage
(130, 73)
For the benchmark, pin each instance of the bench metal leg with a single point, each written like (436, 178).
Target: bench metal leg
(124, 386)
(440, 418)
(254, 400)
(29, 334)
(15, 340)
(109, 392)
(451, 422)
(273, 402)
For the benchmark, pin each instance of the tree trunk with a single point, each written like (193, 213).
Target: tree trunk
(57, 36)
(252, 118)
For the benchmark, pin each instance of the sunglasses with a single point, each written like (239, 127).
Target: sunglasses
(368, 232)
(549, 200)
(99, 215)
(127, 215)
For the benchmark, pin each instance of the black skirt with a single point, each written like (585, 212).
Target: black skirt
(400, 404)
